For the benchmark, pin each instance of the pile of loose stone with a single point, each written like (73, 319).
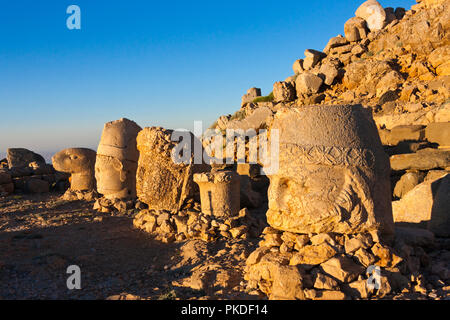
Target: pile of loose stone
(194, 224)
(26, 172)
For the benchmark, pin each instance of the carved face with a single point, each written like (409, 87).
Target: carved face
(313, 195)
(115, 178)
(313, 190)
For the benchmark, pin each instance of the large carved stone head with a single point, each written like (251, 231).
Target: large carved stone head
(166, 167)
(333, 173)
(117, 156)
(80, 162)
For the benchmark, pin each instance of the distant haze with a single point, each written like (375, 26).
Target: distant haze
(157, 63)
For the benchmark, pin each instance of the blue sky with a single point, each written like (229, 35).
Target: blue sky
(158, 63)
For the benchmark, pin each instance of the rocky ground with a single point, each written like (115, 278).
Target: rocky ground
(41, 235)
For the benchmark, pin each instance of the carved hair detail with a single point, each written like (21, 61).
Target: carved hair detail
(331, 156)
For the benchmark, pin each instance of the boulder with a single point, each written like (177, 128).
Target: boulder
(440, 60)
(283, 91)
(355, 29)
(251, 94)
(5, 177)
(298, 66)
(313, 254)
(342, 268)
(373, 13)
(438, 132)
(20, 157)
(34, 185)
(440, 212)
(389, 82)
(312, 57)
(403, 133)
(329, 72)
(335, 42)
(308, 83)
(407, 182)
(419, 204)
(425, 159)
(257, 119)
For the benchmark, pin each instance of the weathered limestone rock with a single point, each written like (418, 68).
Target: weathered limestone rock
(335, 42)
(440, 213)
(6, 182)
(407, 182)
(80, 163)
(333, 173)
(274, 277)
(255, 120)
(355, 29)
(251, 94)
(313, 254)
(283, 91)
(116, 162)
(308, 83)
(35, 185)
(403, 133)
(330, 72)
(312, 57)
(164, 182)
(422, 204)
(424, 159)
(390, 82)
(438, 132)
(342, 268)
(19, 157)
(373, 13)
(440, 60)
(298, 66)
(219, 192)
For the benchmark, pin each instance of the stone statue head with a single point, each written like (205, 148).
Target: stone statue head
(80, 162)
(333, 173)
(117, 157)
(164, 181)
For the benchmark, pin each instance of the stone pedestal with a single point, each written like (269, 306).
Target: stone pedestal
(219, 193)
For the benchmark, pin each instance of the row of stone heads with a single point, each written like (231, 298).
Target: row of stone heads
(331, 163)
(133, 162)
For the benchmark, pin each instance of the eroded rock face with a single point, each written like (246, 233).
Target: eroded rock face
(163, 183)
(116, 162)
(333, 173)
(80, 163)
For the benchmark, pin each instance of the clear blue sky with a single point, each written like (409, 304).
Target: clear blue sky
(163, 63)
